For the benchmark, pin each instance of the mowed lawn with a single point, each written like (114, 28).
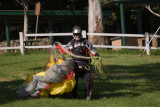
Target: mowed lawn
(132, 81)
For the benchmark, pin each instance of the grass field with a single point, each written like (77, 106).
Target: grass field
(132, 81)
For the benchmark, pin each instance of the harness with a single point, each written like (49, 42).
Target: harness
(79, 47)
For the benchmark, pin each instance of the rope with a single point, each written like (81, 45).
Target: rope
(76, 56)
(98, 68)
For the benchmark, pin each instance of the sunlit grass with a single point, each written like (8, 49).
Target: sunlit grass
(132, 81)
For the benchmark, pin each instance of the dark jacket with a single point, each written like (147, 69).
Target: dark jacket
(81, 47)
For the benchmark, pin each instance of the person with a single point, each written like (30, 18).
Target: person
(81, 47)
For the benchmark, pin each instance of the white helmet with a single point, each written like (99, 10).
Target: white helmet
(77, 32)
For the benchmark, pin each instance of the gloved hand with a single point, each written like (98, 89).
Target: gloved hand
(55, 43)
(97, 55)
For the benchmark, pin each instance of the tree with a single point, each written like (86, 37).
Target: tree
(95, 22)
(154, 13)
(25, 5)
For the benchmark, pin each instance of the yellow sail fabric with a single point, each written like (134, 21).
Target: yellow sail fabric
(59, 88)
(60, 60)
(65, 86)
(54, 88)
(44, 93)
(50, 62)
(42, 74)
(28, 79)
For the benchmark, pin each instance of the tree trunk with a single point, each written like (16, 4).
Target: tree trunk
(95, 22)
(25, 30)
(25, 5)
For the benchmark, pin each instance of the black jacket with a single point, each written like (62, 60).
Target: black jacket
(81, 47)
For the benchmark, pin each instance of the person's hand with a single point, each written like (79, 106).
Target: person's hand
(98, 57)
(55, 43)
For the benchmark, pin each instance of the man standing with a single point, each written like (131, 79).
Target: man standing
(80, 46)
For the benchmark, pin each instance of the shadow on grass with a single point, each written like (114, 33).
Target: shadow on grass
(8, 91)
(10, 63)
(123, 81)
(128, 81)
(149, 72)
(109, 89)
(18, 62)
(37, 69)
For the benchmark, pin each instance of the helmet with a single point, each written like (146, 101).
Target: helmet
(77, 32)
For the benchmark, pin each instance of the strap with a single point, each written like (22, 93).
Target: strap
(76, 56)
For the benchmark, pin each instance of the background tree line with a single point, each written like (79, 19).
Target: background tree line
(111, 24)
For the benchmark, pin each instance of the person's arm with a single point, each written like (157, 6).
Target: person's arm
(91, 49)
(67, 47)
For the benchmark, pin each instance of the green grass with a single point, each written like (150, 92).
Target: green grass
(132, 81)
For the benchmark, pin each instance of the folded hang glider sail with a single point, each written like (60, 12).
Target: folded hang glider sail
(58, 78)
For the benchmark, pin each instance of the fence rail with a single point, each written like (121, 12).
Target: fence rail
(4, 48)
(118, 35)
(147, 36)
(49, 34)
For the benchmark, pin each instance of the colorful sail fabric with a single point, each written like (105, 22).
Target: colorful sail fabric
(58, 79)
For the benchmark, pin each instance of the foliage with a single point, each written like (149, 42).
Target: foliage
(155, 52)
(45, 4)
(110, 20)
(64, 4)
(9, 5)
(105, 1)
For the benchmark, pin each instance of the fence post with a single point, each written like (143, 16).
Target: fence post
(147, 43)
(21, 42)
(83, 33)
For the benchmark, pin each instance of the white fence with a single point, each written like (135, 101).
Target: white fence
(147, 36)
